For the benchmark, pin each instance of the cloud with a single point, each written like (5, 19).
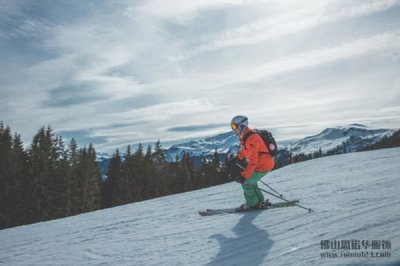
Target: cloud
(181, 11)
(142, 100)
(72, 94)
(200, 128)
(312, 58)
(84, 137)
(164, 111)
(310, 16)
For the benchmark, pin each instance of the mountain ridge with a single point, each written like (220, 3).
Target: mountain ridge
(327, 139)
(341, 139)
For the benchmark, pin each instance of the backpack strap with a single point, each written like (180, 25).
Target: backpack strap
(245, 137)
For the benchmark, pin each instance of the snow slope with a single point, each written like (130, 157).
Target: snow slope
(355, 197)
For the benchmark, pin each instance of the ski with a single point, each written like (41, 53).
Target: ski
(209, 212)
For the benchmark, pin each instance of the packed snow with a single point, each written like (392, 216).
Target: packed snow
(355, 197)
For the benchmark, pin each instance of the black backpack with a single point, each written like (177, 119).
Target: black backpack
(267, 138)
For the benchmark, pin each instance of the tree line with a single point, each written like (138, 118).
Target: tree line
(385, 142)
(139, 175)
(50, 180)
(47, 180)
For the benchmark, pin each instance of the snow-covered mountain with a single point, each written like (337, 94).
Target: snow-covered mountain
(354, 197)
(101, 156)
(224, 143)
(355, 135)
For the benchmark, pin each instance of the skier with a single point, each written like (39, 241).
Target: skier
(259, 162)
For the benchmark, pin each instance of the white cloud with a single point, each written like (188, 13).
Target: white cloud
(322, 56)
(170, 110)
(306, 17)
(298, 61)
(181, 11)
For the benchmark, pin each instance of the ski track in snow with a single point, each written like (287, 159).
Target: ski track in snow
(354, 196)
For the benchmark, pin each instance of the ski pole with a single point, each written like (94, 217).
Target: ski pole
(281, 195)
(241, 167)
(272, 194)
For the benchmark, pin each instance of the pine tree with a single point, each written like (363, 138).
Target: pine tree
(113, 186)
(60, 178)
(187, 173)
(5, 178)
(159, 153)
(138, 165)
(73, 182)
(23, 185)
(129, 176)
(174, 184)
(8, 184)
(42, 166)
(91, 192)
(160, 174)
(149, 175)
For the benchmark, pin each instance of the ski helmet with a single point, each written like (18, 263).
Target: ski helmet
(239, 122)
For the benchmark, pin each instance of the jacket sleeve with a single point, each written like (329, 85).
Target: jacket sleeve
(252, 148)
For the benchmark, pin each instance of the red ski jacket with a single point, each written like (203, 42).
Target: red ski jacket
(255, 151)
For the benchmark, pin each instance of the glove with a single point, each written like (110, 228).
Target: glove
(240, 179)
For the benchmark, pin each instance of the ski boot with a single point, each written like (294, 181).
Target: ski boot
(243, 208)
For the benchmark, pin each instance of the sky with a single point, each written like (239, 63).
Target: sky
(115, 73)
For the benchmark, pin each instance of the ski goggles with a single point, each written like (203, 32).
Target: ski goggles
(234, 126)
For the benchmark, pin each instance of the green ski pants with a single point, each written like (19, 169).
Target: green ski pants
(252, 193)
